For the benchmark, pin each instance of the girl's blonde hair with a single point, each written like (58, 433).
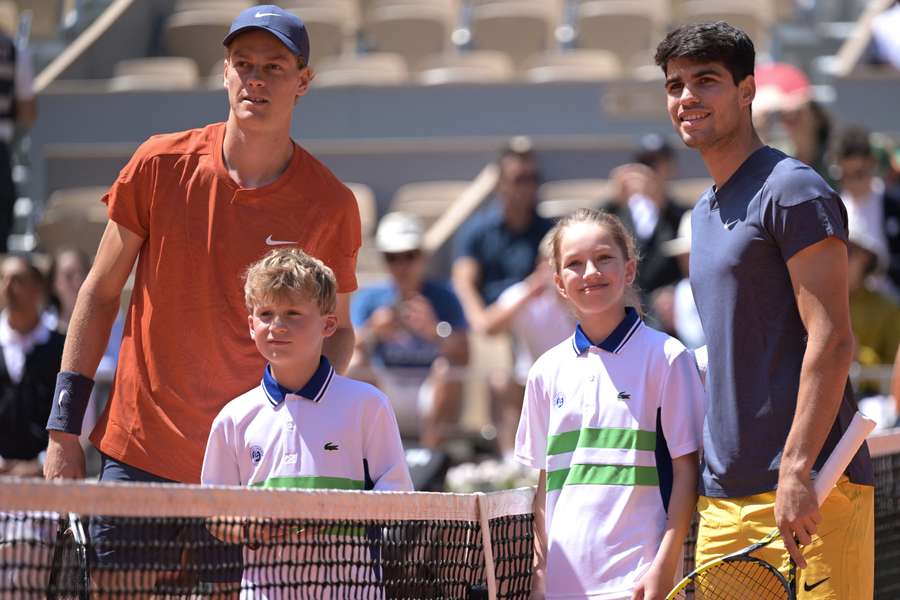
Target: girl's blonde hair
(620, 234)
(285, 273)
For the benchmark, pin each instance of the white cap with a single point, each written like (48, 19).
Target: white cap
(399, 232)
(681, 244)
(861, 232)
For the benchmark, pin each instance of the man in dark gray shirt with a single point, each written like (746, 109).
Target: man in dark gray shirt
(769, 274)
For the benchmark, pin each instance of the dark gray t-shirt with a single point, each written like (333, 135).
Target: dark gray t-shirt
(742, 237)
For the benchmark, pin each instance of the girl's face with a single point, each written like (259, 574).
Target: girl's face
(593, 271)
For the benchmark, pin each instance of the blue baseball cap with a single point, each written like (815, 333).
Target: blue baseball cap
(287, 27)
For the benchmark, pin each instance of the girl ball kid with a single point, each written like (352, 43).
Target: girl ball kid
(612, 417)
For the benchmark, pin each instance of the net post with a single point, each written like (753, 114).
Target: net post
(484, 519)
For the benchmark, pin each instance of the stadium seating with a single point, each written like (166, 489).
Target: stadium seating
(412, 30)
(368, 211)
(520, 28)
(479, 66)
(574, 65)
(427, 199)
(375, 68)
(628, 28)
(73, 217)
(559, 198)
(754, 20)
(160, 72)
(198, 34)
(332, 28)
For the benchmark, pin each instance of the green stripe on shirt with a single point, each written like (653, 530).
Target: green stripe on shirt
(609, 437)
(312, 483)
(602, 475)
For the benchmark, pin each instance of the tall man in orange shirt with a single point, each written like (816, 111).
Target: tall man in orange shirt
(194, 208)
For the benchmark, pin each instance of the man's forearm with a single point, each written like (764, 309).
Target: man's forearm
(339, 348)
(88, 333)
(823, 377)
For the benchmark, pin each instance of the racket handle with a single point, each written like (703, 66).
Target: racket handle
(860, 428)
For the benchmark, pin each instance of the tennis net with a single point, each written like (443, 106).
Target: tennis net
(172, 541)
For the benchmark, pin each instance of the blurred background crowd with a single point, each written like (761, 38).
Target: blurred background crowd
(464, 129)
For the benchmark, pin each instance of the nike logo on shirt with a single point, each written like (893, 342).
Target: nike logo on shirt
(271, 242)
(809, 588)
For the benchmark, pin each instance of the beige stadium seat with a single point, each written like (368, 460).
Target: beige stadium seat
(159, 73)
(368, 211)
(753, 20)
(73, 217)
(428, 199)
(520, 28)
(413, 31)
(198, 34)
(376, 68)
(768, 10)
(233, 6)
(625, 27)
(562, 197)
(331, 28)
(479, 66)
(574, 65)
(9, 17)
(46, 17)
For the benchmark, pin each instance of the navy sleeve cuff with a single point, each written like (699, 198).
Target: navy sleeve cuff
(70, 401)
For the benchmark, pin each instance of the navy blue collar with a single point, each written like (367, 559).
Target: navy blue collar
(314, 389)
(615, 341)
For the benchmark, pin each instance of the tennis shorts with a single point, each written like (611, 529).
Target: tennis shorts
(840, 559)
(176, 545)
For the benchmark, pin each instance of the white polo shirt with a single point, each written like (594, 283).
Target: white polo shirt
(591, 418)
(314, 438)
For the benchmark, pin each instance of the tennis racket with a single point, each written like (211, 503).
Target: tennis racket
(69, 576)
(739, 576)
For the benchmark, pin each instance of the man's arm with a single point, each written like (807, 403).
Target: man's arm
(339, 347)
(465, 275)
(95, 310)
(819, 277)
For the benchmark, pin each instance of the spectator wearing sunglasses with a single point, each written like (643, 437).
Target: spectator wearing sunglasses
(412, 333)
(495, 249)
(867, 198)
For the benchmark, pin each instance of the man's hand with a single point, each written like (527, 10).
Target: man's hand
(65, 457)
(383, 323)
(796, 512)
(418, 316)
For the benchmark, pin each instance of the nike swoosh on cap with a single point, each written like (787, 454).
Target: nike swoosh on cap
(271, 242)
(260, 15)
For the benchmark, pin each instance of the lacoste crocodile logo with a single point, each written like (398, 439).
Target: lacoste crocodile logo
(624, 396)
(331, 446)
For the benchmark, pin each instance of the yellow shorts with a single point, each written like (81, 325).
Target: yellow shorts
(840, 559)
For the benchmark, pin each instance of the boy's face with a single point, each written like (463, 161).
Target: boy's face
(290, 331)
(704, 104)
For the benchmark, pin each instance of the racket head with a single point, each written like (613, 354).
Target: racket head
(69, 575)
(735, 577)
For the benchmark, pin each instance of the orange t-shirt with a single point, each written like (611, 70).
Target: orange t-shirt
(186, 349)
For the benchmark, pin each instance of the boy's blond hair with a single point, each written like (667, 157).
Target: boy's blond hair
(285, 273)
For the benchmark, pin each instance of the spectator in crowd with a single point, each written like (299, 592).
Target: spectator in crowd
(193, 209)
(495, 249)
(885, 44)
(685, 319)
(18, 109)
(68, 270)
(28, 366)
(875, 318)
(411, 335)
(647, 209)
(787, 117)
(537, 317)
(866, 198)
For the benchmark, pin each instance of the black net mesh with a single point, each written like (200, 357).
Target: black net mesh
(258, 557)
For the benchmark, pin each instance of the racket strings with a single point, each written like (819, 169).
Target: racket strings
(746, 579)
